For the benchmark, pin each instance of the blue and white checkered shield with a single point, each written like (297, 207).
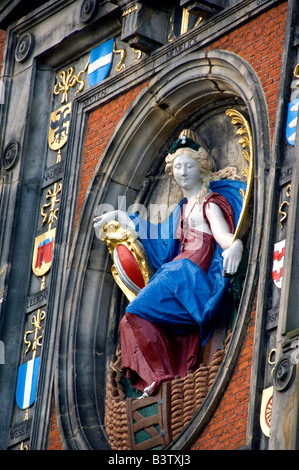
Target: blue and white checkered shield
(100, 62)
(27, 382)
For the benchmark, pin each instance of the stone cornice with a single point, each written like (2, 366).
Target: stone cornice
(191, 41)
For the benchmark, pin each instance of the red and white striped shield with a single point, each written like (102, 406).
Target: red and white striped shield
(278, 259)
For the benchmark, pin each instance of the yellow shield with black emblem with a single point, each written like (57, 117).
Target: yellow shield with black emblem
(59, 127)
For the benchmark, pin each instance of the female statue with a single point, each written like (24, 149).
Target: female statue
(187, 297)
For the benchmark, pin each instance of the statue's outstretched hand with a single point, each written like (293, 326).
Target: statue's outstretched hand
(100, 221)
(232, 257)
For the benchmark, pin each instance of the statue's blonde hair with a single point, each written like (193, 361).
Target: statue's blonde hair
(206, 165)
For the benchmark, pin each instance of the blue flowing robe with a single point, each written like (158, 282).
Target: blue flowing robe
(181, 305)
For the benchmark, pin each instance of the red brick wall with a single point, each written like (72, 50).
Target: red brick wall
(227, 428)
(260, 43)
(101, 124)
(2, 46)
(54, 439)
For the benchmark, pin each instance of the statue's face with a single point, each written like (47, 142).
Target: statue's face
(186, 172)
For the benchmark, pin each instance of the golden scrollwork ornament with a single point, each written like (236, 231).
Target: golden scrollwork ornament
(69, 80)
(51, 216)
(37, 331)
(281, 210)
(246, 142)
(121, 64)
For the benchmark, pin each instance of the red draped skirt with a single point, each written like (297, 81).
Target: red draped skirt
(155, 352)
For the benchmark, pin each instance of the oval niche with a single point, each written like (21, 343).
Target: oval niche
(194, 92)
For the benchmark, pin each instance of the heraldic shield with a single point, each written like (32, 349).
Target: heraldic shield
(100, 62)
(278, 261)
(43, 252)
(27, 382)
(59, 127)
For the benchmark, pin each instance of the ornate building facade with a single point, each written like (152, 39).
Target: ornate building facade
(92, 95)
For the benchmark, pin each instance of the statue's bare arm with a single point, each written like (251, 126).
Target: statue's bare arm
(232, 250)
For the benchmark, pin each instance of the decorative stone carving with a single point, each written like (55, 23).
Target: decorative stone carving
(10, 155)
(88, 10)
(24, 47)
(283, 374)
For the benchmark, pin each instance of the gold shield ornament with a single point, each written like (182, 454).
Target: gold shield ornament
(43, 252)
(59, 127)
